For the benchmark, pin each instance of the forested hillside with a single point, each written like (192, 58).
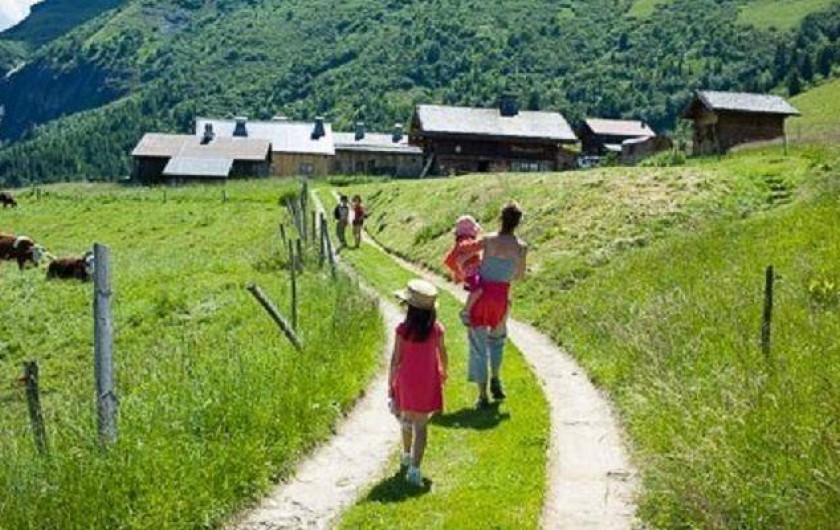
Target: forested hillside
(85, 97)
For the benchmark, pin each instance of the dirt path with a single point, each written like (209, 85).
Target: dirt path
(591, 482)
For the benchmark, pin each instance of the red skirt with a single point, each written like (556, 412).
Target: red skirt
(492, 306)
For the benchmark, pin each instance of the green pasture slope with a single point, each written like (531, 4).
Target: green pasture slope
(214, 403)
(653, 279)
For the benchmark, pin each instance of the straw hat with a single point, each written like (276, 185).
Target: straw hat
(420, 294)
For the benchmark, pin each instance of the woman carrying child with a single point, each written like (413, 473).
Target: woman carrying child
(418, 371)
(502, 261)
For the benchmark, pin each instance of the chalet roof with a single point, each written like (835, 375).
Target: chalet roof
(183, 145)
(629, 128)
(437, 119)
(198, 167)
(374, 142)
(740, 102)
(285, 136)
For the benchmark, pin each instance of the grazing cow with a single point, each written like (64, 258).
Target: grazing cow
(21, 249)
(7, 200)
(79, 268)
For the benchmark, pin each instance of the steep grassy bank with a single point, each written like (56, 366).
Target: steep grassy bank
(653, 279)
(214, 402)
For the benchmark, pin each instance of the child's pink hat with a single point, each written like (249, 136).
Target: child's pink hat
(467, 226)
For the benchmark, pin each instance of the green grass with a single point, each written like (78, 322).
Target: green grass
(488, 468)
(214, 403)
(820, 120)
(654, 279)
(645, 8)
(780, 14)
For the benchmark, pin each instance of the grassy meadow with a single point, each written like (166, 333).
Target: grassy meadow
(214, 403)
(820, 120)
(780, 14)
(653, 278)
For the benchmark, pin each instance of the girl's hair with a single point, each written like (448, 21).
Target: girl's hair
(511, 216)
(419, 324)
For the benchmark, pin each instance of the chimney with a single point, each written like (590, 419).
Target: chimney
(241, 129)
(508, 105)
(398, 133)
(208, 135)
(318, 132)
(360, 130)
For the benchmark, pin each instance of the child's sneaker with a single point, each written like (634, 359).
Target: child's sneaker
(405, 461)
(414, 477)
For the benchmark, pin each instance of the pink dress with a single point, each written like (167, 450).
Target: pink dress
(418, 386)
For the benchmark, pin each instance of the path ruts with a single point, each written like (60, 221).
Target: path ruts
(591, 482)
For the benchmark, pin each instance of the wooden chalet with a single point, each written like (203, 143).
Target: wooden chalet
(723, 120)
(479, 140)
(599, 136)
(176, 158)
(297, 148)
(366, 153)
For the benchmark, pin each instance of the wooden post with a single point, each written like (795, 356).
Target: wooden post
(767, 318)
(224, 196)
(323, 245)
(293, 265)
(33, 402)
(283, 238)
(304, 218)
(276, 316)
(300, 255)
(103, 361)
(313, 225)
(330, 254)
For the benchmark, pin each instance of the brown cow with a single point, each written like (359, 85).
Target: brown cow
(79, 268)
(21, 249)
(7, 200)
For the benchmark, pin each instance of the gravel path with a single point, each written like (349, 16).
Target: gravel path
(591, 482)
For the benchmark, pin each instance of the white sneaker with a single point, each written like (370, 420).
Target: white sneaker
(414, 477)
(405, 461)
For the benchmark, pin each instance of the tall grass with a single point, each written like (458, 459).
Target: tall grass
(214, 404)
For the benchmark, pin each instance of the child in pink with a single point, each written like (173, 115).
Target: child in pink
(464, 260)
(418, 370)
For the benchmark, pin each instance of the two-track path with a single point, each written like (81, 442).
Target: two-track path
(591, 482)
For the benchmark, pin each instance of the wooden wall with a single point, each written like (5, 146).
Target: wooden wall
(351, 162)
(295, 164)
(717, 133)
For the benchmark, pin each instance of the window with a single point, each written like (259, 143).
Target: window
(529, 166)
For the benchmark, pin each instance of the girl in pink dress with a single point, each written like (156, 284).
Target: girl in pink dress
(418, 371)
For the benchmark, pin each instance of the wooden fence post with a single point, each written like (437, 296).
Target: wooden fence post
(323, 245)
(276, 316)
(283, 239)
(293, 265)
(33, 402)
(313, 225)
(103, 361)
(300, 257)
(330, 254)
(767, 317)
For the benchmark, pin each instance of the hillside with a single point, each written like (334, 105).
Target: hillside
(653, 279)
(85, 97)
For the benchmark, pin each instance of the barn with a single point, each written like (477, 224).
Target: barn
(601, 136)
(723, 120)
(297, 148)
(366, 153)
(458, 140)
(176, 158)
